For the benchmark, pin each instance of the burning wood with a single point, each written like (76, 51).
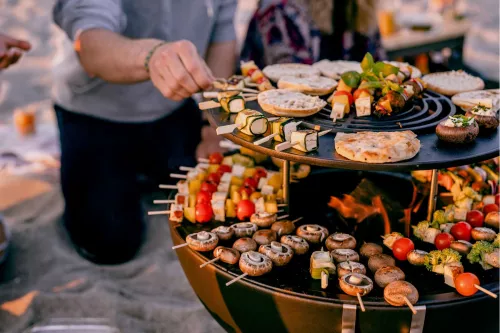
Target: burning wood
(349, 207)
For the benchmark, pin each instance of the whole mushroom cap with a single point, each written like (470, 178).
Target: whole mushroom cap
(245, 244)
(388, 274)
(224, 232)
(313, 233)
(280, 254)
(202, 241)
(457, 134)
(244, 229)
(255, 264)
(264, 236)
(227, 255)
(298, 244)
(283, 227)
(355, 283)
(340, 255)
(370, 249)
(263, 220)
(340, 240)
(380, 260)
(395, 292)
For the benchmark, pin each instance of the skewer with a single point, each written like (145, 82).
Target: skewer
(203, 160)
(412, 308)
(159, 212)
(236, 279)
(206, 105)
(280, 211)
(264, 139)
(282, 205)
(297, 219)
(282, 217)
(209, 262)
(163, 201)
(226, 129)
(486, 291)
(179, 246)
(229, 145)
(285, 145)
(324, 280)
(185, 168)
(324, 132)
(361, 305)
(168, 187)
(178, 175)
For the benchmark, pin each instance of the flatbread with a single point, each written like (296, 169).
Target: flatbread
(469, 99)
(377, 147)
(415, 72)
(288, 103)
(315, 85)
(453, 82)
(275, 72)
(333, 69)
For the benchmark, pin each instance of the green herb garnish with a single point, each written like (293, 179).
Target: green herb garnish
(461, 121)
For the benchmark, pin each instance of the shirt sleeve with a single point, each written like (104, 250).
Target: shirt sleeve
(75, 16)
(224, 26)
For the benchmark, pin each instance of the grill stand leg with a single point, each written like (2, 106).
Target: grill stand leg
(433, 195)
(286, 185)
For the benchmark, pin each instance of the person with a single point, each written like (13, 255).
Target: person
(11, 50)
(123, 106)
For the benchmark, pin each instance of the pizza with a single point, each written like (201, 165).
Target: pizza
(470, 99)
(377, 147)
(453, 82)
(275, 72)
(333, 69)
(288, 103)
(312, 85)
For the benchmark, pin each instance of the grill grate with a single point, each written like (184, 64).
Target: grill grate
(424, 114)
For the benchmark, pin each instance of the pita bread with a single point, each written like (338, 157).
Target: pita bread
(333, 69)
(275, 72)
(377, 147)
(415, 72)
(288, 103)
(470, 99)
(312, 85)
(453, 82)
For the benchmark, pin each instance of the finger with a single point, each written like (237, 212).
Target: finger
(180, 73)
(4, 61)
(194, 65)
(14, 56)
(163, 69)
(159, 83)
(21, 44)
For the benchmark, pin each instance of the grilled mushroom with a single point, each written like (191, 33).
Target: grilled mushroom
(347, 267)
(340, 255)
(312, 233)
(461, 246)
(264, 237)
(484, 116)
(380, 260)
(202, 241)
(280, 254)
(283, 227)
(340, 240)
(263, 220)
(245, 244)
(388, 274)
(299, 245)
(457, 129)
(396, 291)
(370, 249)
(486, 234)
(416, 257)
(255, 263)
(227, 255)
(244, 229)
(492, 219)
(224, 232)
(354, 283)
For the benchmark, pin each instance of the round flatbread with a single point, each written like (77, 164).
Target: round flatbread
(453, 82)
(470, 99)
(288, 103)
(275, 72)
(415, 72)
(333, 69)
(377, 147)
(312, 85)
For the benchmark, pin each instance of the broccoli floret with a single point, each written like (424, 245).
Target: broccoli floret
(496, 242)
(432, 259)
(469, 192)
(448, 256)
(479, 249)
(449, 214)
(435, 260)
(420, 229)
(439, 217)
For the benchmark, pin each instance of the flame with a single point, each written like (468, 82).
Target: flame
(377, 202)
(348, 207)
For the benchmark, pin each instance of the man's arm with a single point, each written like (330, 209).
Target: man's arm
(11, 50)
(221, 58)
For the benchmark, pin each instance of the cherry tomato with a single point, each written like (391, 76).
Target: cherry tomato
(208, 187)
(348, 94)
(247, 189)
(214, 178)
(250, 182)
(490, 208)
(203, 212)
(223, 168)
(203, 197)
(245, 209)
(464, 283)
(461, 231)
(259, 173)
(475, 218)
(443, 241)
(215, 158)
(401, 247)
(358, 92)
(497, 199)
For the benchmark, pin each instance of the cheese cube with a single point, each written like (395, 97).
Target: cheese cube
(219, 209)
(342, 99)
(338, 111)
(451, 271)
(459, 214)
(260, 205)
(181, 199)
(267, 189)
(176, 213)
(193, 174)
(183, 187)
(226, 177)
(219, 196)
(223, 187)
(363, 107)
(430, 235)
(262, 183)
(238, 170)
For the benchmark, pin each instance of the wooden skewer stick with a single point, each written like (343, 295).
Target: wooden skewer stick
(228, 145)
(251, 99)
(163, 201)
(159, 212)
(285, 145)
(361, 305)
(324, 132)
(168, 187)
(280, 211)
(486, 291)
(282, 217)
(185, 168)
(297, 219)
(236, 279)
(203, 160)
(282, 205)
(226, 129)
(324, 280)
(178, 175)
(264, 139)
(206, 105)
(179, 246)
(273, 118)
(412, 308)
(209, 262)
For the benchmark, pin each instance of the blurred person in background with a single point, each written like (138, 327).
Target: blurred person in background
(123, 106)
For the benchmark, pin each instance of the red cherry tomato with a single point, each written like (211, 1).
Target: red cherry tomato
(247, 189)
(348, 94)
(497, 199)
(245, 209)
(259, 173)
(203, 212)
(461, 231)
(215, 158)
(464, 283)
(250, 182)
(223, 168)
(443, 241)
(490, 208)
(203, 197)
(401, 247)
(208, 187)
(214, 178)
(475, 218)
(358, 92)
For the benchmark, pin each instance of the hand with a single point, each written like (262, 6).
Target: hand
(178, 71)
(11, 50)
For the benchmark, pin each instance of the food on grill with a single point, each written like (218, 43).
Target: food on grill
(255, 264)
(484, 253)
(280, 254)
(466, 283)
(244, 229)
(251, 71)
(227, 255)
(334, 69)
(402, 247)
(251, 122)
(264, 236)
(392, 102)
(298, 244)
(451, 271)
(354, 284)
(286, 103)
(283, 228)
(370, 249)
(313, 233)
(363, 106)
(235, 82)
(305, 140)
(436, 260)
(389, 239)
(457, 129)
(277, 71)
(461, 230)
(380, 260)
(321, 267)
(397, 292)
(453, 82)
(283, 128)
(224, 232)
(340, 255)
(340, 240)
(385, 275)
(245, 244)
(416, 257)
(377, 147)
(263, 219)
(461, 246)
(347, 267)
(408, 70)
(232, 104)
(484, 116)
(444, 239)
(311, 85)
(492, 220)
(425, 232)
(202, 241)
(467, 100)
(483, 234)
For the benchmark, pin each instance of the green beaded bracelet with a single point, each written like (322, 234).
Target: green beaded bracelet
(150, 54)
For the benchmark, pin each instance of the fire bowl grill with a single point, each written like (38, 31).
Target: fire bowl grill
(289, 300)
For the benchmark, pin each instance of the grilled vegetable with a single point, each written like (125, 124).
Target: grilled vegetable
(283, 128)
(252, 122)
(233, 104)
(479, 251)
(307, 140)
(436, 260)
(321, 264)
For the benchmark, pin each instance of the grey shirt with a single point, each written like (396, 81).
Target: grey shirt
(201, 21)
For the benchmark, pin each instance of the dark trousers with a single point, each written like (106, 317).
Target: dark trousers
(100, 164)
